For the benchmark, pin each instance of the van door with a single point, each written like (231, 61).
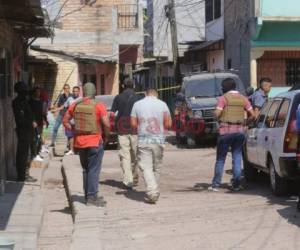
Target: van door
(252, 135)
(263, 135)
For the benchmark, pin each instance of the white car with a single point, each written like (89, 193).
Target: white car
(272, 143)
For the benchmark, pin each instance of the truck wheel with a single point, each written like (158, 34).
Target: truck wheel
(250, 172)
(191, 142)
(278, 184)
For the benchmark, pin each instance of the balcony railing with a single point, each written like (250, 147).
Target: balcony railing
(128, 16)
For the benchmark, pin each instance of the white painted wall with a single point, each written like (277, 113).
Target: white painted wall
(215, 60)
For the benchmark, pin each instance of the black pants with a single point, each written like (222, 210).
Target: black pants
(24, 137)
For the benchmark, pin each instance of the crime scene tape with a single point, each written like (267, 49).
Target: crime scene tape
(163, 89)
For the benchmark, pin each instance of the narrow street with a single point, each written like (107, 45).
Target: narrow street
(187, 216)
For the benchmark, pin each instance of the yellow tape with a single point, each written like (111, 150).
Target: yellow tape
(163, 89)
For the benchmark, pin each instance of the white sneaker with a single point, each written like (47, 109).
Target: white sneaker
(213, 189)
(70, 153)
(44, 150)
(38, 158)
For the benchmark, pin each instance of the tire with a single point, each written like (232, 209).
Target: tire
(250, 172)
(278, 185)
(191, 142)
(180, 140)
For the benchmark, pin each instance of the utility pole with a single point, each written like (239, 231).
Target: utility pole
(170, 13)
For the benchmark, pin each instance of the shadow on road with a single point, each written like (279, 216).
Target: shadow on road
(8, 200)
(114, 183)
(133, 195)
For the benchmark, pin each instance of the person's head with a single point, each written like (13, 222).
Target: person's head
(228, 84)
(89, 90)
(21, 88)
(67, 89)
(128, 83)
(36, 92)
(76, 91)
(265, 84)
(151, 92)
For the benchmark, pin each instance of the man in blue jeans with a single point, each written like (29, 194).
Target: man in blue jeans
(91, 128)
(61, 112)
(230, 111)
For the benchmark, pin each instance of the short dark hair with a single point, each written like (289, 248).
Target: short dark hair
(264, 79)
(76, 87)
(66, 85)
(228, 84)
(151, 90)
(128, 83)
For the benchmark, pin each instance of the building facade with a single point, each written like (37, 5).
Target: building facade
(263, 40)
(100, 41)
(19, 23)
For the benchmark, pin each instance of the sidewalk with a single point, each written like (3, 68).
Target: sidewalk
(21, 210)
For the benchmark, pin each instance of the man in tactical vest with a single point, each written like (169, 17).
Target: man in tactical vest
(230, 111)
(25, 124)
(90, 119)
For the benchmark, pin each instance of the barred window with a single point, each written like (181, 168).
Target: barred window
(127, 16)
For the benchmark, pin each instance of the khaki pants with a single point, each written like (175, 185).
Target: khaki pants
(150, 162)
(127, 153)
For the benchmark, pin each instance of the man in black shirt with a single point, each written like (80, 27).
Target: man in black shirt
(25, 125)
(60, 107)
(122, 106)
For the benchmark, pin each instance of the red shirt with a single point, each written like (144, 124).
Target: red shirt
(87, 141)
(225, 128)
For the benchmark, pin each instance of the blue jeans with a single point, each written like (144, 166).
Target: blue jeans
(225, 142)
(56, 126)
(91, 161)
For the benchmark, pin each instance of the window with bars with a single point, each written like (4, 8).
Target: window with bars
(127, 16)
(212, 10)
(292, 72)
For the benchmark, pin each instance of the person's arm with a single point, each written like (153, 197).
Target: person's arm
(220, 106)
(106, 127)
(68, 117)
(134, 119)
(258, 102)
(167, 118)
(115, 107)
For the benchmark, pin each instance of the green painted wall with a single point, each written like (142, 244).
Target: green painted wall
(280, 8)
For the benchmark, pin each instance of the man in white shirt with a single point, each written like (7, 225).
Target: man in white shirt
(151, 117)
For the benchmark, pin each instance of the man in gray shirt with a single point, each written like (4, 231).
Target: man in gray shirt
(151, 117)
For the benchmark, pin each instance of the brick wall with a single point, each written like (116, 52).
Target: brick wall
(53, 77)
(273, 64)
(98, 17)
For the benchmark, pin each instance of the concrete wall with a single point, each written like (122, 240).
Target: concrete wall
(215, 60)
(237, 37)
(279, 8)
(214, 30)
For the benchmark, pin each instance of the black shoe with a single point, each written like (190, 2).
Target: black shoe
(52, 145)
(30, 179)
(96, 201)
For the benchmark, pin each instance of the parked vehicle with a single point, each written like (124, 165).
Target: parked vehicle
(271, 144)
(108, 101)
(195, 105)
